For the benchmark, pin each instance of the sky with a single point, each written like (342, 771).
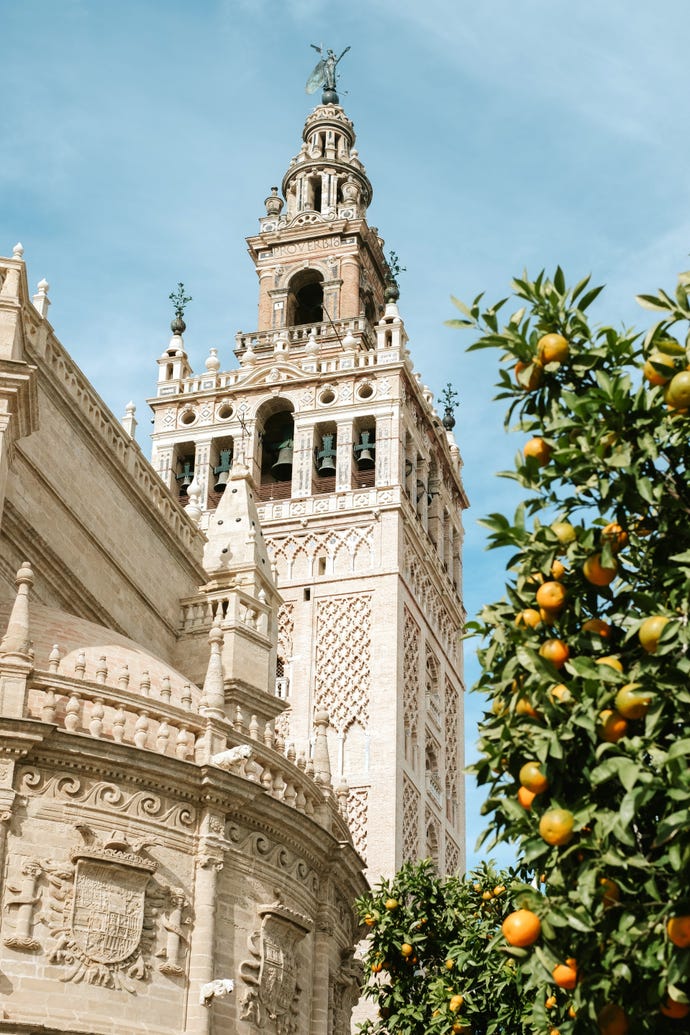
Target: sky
(138, 141)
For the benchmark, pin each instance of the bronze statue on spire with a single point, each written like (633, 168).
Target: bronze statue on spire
(325, 75)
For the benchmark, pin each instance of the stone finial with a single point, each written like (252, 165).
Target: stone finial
(129, 421)
(312, 346)
(213, 700)
(321, 757)
(40, 299)
(349, 342)
(16, 639)
(273, 203)
(212, 362)
(18, 252)
(248, 357)
(193, 508)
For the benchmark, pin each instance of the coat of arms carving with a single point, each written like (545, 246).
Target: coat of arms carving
(98, 916)
(271, 974)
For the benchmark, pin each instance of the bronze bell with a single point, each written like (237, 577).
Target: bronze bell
(222, 471)
(282, 468)
(185, 479)
(325, 458)
(364, 452)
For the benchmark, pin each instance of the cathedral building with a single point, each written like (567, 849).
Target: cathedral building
(230, 680)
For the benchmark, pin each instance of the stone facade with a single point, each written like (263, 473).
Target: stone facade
(167, 863)
(359, 495)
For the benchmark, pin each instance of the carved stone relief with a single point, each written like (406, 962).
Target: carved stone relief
(107, 797)
(357, 816)
(343, 659)
(271, 999)
(411, 641)
(411, 802)
(97, 913)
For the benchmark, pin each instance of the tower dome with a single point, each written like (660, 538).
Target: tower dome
(326, 176)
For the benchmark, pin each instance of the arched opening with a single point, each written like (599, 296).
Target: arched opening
(305, 298)
(277, 442)
(220, 462)
(325, 456)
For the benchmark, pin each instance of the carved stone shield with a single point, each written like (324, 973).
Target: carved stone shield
(108, 909)
(278, 975)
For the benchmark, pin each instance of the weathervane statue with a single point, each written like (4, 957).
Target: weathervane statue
(325, 75)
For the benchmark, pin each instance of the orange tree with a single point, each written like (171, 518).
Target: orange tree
(436, 960)
(586, 740)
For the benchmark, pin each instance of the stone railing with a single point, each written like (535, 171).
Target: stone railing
(330, 503)
(90, 708)
(297, 337)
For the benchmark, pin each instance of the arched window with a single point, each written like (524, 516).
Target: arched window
(277, 446)
(305, 298)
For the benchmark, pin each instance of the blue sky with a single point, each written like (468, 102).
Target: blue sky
(139, 139)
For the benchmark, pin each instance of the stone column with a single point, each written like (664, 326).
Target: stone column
(302, 461)
(386, 457)
(209, 863)
(320, 978)
(344, 458)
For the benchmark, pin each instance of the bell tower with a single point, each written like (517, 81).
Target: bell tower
(359, 496)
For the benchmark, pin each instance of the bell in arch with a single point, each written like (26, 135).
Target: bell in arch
(282, 468)
(185, 479)
(325, 458)
(364, 451)
(222, 471)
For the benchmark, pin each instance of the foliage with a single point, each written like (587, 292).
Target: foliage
(451, 926)
(616, 454)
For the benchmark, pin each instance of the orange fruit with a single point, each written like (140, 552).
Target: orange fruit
(612, 726)
(548, 617)
(678, 930)
(631, 703)
(450, 964)
(376, 968)
(525, 797)
(612, 893)
(572, 1012)
(521, 928)
(392, 903)
(555, 651)
(615, 536)
(529, 375)
(560, 693)
(565, 974)
(672, 1008)
(551, 596)
(656, 377)
(455, 1003)
(524, 707)
(597, 626)
(530, 618)
(369, 920)
(532, 778)
(678, 391)
(552, 348)
(539, 449)
(550, 1002)
(650, 631)
(556, 826)
(564, 532)
(612, 1020)
(594, 571)
(558, 569)
(406, 949)
(611, 660)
